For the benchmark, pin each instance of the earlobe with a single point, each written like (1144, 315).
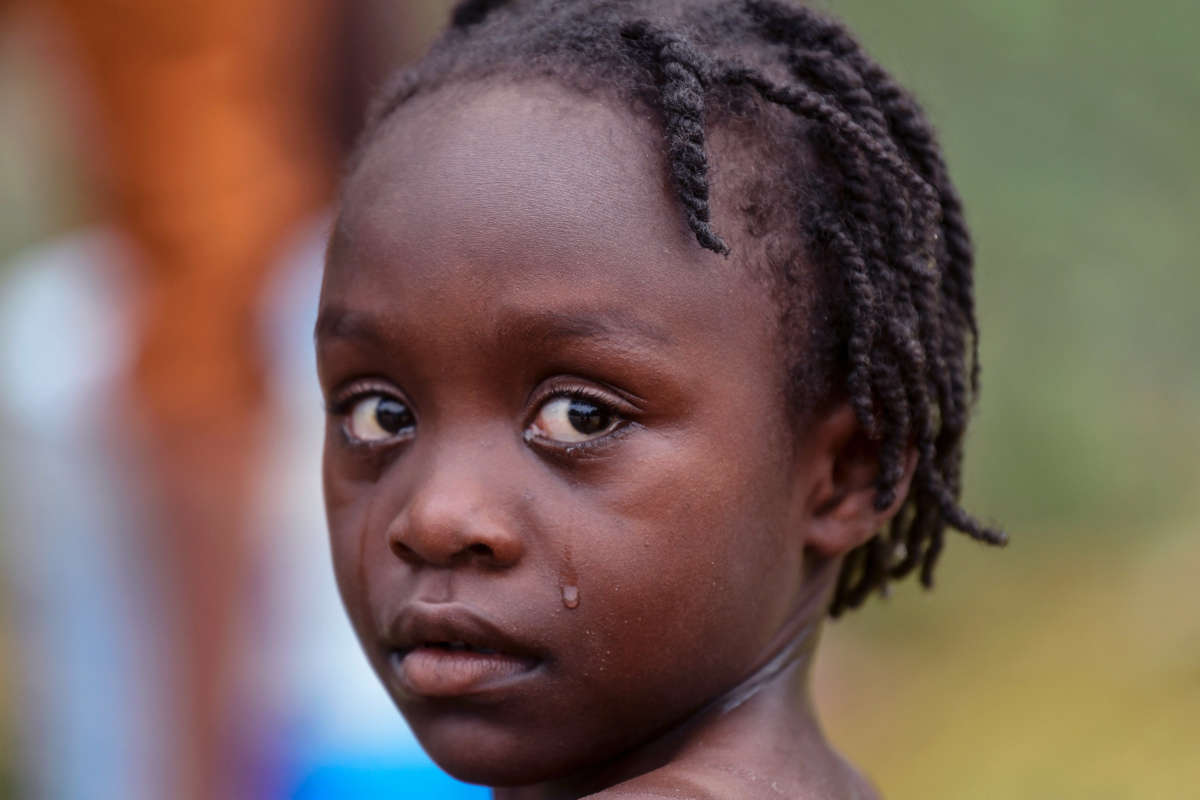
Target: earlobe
(841, 506)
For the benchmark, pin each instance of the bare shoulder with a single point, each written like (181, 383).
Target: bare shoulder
(663, 783)
(730, 783)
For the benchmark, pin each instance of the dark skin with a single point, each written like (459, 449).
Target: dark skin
(581, 541)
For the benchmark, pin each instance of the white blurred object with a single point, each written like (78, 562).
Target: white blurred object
(88, 687)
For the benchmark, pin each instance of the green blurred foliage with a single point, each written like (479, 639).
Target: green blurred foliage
(1067, 665)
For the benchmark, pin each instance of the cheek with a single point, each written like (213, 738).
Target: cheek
(696, 568)
(721, 496)
(347, 504)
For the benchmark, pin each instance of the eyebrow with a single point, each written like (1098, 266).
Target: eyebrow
(336, 322)
(607, 323)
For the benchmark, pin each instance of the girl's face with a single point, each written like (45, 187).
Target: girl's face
(561, 486)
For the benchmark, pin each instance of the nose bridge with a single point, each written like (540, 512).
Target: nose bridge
(458, 508)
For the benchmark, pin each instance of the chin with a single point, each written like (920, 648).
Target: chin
(471, 750)
(496, 775)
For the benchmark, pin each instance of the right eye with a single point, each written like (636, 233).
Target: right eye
(568, 419)
(376, 418)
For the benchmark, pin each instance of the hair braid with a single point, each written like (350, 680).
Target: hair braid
(864, 90)
(937, 538)
(682, 84)
(910, 532)
(807, 103)
(862, 298)
(846, 580)
(865, 208)
(473, 12)
(911, 130)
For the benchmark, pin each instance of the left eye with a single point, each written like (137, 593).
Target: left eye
(573, 419)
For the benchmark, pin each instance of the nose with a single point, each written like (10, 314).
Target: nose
(457, 514)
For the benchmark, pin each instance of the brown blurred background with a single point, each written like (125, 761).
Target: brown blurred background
(1065, 666)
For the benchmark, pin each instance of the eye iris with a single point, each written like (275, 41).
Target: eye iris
(588, 417)
(392, 415)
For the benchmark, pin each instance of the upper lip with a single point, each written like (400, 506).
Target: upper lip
(421, 624)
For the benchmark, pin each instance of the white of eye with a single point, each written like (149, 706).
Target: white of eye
(377, 418)
(573, 419)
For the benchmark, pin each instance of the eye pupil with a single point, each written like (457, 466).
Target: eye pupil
(587, 417)
(392, 415)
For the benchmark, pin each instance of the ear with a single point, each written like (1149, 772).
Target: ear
(844, 467)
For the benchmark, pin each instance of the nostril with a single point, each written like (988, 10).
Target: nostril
(481, 549)
(408, 554)
(402, 551)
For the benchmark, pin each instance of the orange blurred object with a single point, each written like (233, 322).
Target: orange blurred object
(214, 144)
(211, 124)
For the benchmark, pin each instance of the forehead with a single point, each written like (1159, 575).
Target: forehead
(509, 158)
(531, 195)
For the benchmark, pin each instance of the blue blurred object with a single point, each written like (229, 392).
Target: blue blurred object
(368, 780)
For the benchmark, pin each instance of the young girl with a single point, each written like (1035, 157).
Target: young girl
(647, 341)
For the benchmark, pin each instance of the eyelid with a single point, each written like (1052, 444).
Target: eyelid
(344, 398)
(625, 404)
(617, 401)
(590, 448)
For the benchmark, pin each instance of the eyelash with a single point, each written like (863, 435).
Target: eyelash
(622, 410)
(344, 402)
(346, 399)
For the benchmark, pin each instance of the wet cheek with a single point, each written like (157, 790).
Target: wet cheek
(346, 510)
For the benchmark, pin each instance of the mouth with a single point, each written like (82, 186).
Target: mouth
(442, 651)
(454, 647)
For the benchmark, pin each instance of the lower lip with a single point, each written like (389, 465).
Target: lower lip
(437, 672)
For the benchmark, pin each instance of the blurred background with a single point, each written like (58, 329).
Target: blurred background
(165, 171)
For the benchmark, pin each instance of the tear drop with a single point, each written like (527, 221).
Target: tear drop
(570, 596)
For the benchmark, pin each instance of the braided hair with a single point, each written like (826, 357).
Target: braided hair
(859, 195)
